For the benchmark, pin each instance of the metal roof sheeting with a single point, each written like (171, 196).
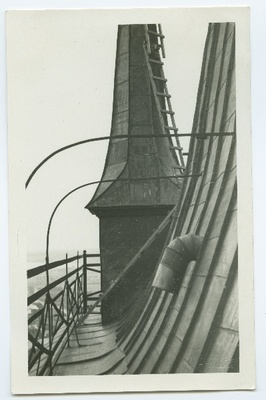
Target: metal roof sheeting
(196, 329)
(135, 113)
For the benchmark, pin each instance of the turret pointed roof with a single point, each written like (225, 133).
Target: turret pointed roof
(135, 160)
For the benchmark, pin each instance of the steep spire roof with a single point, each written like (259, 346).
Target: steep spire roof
(136, 111)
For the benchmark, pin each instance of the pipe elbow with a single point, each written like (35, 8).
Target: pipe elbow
(175, 260)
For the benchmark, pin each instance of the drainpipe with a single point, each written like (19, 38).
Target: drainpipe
(175, 260)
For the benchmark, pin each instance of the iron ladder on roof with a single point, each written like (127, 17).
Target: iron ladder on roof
(152, 47)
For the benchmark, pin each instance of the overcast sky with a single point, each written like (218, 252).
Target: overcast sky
(61, 74)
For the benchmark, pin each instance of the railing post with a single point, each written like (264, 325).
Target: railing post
(67, 301)
(49, 316)
(77, 284)
(85, 294)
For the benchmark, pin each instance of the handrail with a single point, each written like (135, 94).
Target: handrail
(51, 286)
(54, 314)
(47, 267)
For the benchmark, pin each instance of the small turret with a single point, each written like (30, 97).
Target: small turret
(132, 206)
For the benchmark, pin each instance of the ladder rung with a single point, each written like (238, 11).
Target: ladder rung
(97, 306)
(167, 112)
(178, 167)
(93, 265)
(156, 34)
(176, 148)
(159, 78)
(171, 128)
(164, 95)
(155, 61)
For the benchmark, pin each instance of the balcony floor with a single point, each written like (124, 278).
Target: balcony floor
(92, 350)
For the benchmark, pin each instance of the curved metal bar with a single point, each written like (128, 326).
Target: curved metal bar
(198, 135)
(53, 213)
(59, 151)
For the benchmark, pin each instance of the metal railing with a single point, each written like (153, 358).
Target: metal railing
(55, 309)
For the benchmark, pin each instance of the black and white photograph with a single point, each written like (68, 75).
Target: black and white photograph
(130, 176)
